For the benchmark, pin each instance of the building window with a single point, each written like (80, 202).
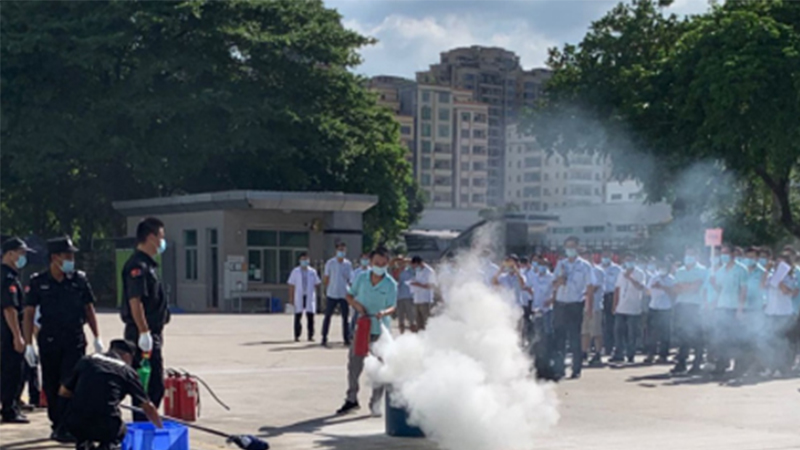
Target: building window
(465, 149)
(584, 191)
(518, 193)
(441, 197)
(556, 191)
(426, 113)
(616, 196)
(444, 114)
(426, 146)
(425, 179)
(530, 192)
(426, 130)
(594, 229)
(441, 148)
(426, 163)
(597, 177)
(444, 131)
(271, 255)
(519, 164)
(634, 196)
(558, 174)
(405, 130)
(465, 167)
(533, 177)
(443, 181)
(478, 150)
(442, 165)
(480, 118)
(479, 165)
(464, 198)
(479, 134)
(444, 97)
(478, 198)
(426, 96)
(627, 228)
(465, 182)
(561, 230)
(465, 116)
(546, 177)
(479, 182)
(190, 250)
(547, 191)
(544, 206)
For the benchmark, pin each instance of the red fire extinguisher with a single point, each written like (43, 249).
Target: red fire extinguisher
(361, 340)
(188, 398)
(171, 386)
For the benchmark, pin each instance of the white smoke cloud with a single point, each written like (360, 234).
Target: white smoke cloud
(465, 380)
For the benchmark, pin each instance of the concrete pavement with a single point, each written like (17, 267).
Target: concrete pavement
(287, 392)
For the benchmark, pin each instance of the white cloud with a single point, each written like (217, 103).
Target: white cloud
(408, 44)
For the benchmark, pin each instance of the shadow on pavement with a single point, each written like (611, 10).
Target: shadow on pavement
(251, 344)
(43, 444)
(727, 379)
(296, 347)
(309, 426)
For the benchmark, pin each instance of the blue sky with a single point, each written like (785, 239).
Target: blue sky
(412, 33)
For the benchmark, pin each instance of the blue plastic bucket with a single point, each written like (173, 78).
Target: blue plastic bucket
(276, 305)
(145, 436)
(397, 421)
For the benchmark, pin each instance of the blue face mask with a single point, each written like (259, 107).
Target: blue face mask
(689, 260)
(725, 259)
(543, 269)
(605, 261)
(749, 262)
(535, 266)
(762, 261)
(571, 252)
(365, 262)
(162, 246)
(379, 271)
(22, 261)
(739, 259)
(304, 262)
(630, 265)
(68, 266)
(340, 254)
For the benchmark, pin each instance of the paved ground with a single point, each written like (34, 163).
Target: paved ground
(287, 392)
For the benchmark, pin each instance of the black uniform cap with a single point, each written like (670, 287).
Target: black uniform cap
(16, 243)
(61, 245)
(123, 346)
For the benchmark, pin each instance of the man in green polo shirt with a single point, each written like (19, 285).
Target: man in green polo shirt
(372, 293)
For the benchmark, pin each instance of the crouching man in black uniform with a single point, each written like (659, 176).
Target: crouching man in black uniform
(96, 388)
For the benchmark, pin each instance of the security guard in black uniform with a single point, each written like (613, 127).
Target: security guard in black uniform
(144, 307)
(96, 387)
(12, 343)
(66, 302)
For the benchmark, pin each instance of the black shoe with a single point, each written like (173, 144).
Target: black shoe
(649, 360)
(596, 361)
(575, 376)
(347, 343)
(696, 370)
(19, 418)
(616, 359)
(310, 339)
(63, 437)
(347, 408)
(631, 360)
(680, 368)
(297, 339)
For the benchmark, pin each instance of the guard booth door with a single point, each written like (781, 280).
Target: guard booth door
(212, 268)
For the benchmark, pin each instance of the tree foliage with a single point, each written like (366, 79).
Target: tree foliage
(661, 94)
(117, 100)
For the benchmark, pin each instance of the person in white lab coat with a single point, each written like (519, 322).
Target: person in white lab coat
(303, 282)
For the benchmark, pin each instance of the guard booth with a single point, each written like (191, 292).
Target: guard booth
(233, 251)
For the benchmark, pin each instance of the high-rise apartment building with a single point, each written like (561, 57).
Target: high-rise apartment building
(494, 77)
(448, 140)
(536, 181)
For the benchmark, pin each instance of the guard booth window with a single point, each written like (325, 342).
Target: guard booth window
(271, 255)
(190, 250)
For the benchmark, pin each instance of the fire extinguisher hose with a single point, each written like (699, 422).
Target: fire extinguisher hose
(210, 391)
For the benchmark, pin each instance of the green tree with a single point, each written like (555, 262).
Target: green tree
(107, 101)
(661, 94)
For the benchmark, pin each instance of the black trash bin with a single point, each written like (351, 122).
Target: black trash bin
(397, 421)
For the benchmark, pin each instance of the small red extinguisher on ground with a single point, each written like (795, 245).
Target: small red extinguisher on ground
(361, 340)
(171, 386)
(188, 398)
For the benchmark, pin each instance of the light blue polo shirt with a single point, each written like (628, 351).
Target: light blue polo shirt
(610, 279)
(579, 276)
(684, 275)
(756, 296)
(729, 281)
(375, 298)
(599, 276)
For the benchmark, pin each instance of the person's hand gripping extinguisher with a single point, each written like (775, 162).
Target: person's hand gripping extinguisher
(144, 370)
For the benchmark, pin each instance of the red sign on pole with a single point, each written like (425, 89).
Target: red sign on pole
(713, 237)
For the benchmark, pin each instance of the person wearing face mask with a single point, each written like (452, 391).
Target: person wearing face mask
(422, 287)
(628, 305)
(660, 315)
(511, 278)
(612, 271)
(573, 276)
(66, 302)
(403, 274)
(542, 308)
(374, 294)
(729, 284)
(753, 314)
(336, 278)
(363, 266)
(144, 306)
(303, 282)
(592, 328)
(12, 341)
(689, 282)
(778, 354)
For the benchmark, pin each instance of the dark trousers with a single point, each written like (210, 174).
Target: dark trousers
(541, 338)
(727, 338)
(689, 333)
(608, 322)
(567, 322)
(103, 430)
(31, 376)
(155, 388)
(659, 335)
(11, 369)
(344, 309)
(58, 360)
(627, 330)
